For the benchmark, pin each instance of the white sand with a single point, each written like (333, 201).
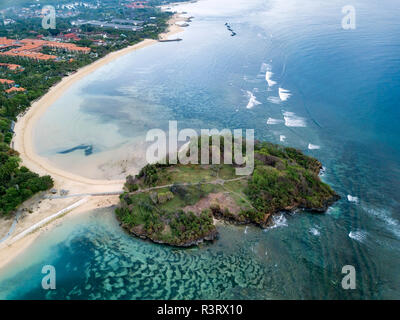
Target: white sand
(23, 143)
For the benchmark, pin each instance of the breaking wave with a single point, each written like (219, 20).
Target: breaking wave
(279, 221)
(315, 231)
(358, 235)
(274, 121)
(291, 120)
(383, 215)
(313, 146)
(268, 76)
(284, 94)
(252, 100)
(351, 198)
(322, 172)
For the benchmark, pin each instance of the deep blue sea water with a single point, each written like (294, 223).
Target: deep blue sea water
(342, 107)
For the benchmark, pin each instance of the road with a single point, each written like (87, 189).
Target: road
(112, 193)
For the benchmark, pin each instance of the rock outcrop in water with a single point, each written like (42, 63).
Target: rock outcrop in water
(177, 204)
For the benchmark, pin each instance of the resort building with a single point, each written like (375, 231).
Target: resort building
(30, 48)
(137, 5)
(5, 43)
(12, 87)
(71, 36)
(12, 67)
(15, 90)
(7, 82)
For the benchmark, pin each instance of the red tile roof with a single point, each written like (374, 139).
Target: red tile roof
(29, 48)
(13, 67)
(6, 81)
(15, 89)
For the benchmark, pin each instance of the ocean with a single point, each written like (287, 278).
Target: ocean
(296, 76)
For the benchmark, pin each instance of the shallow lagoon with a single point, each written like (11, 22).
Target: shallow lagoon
(94, 259)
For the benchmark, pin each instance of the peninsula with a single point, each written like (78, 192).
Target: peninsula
(177, 204)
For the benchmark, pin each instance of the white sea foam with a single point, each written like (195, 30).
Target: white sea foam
(284, 94)
(279, 221)
(313, 146)
(358, 235)
(314, 231)
(351, 198)
(268, 76)
(291, 120)
(274, 121)
(334, 211)
(275, 100)
(282, 138)
(384, 215)
(252, 100)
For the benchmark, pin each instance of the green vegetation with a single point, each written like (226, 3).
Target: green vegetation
(17, 183)
(284, 179)
(175, 204)
(177, 228)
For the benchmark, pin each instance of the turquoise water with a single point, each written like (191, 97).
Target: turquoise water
(95, 260)
(343, 108)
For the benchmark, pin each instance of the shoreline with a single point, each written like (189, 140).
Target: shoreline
(15, 247)
(23, 143)
(22, 139)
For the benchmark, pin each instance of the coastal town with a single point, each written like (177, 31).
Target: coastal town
(30, 49)
(85, 31)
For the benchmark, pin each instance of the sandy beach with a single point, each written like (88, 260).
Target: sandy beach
(22, 141)
(38, 209)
